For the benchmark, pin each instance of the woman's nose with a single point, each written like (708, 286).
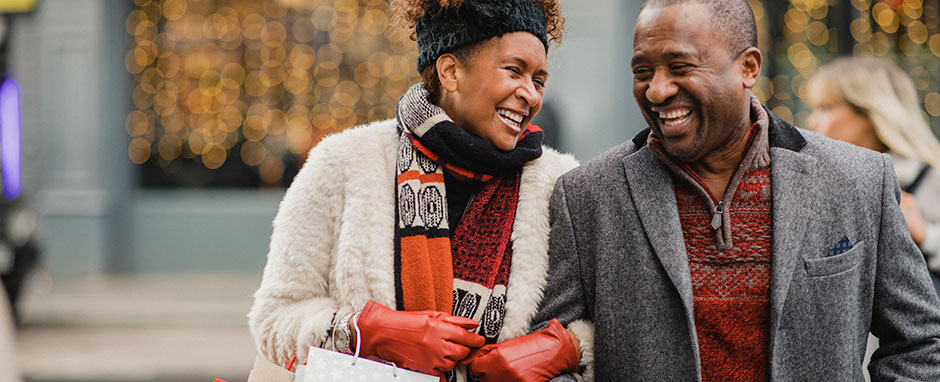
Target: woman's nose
(529, 94)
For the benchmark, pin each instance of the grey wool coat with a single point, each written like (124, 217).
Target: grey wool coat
(617, 257)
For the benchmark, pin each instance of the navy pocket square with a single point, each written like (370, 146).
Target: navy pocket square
(843, 246)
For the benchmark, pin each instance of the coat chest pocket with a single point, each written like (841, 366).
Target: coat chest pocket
(827, 266)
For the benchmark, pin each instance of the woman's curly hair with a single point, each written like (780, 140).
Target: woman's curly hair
(407, 12)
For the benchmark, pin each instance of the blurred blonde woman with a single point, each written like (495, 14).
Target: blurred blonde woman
(870, 102)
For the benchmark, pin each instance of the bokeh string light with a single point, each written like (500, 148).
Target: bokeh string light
(257, 83)
(811, 33)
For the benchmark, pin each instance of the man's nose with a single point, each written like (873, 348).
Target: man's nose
(661, 87)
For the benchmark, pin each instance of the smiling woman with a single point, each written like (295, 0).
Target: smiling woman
(423, 222)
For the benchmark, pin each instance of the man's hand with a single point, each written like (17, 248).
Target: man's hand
(430, 342)
(538, 356)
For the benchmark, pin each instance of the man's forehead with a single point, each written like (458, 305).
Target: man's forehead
(674, 28)
(677, 18)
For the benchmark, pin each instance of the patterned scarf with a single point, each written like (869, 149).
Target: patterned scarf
(427, 261)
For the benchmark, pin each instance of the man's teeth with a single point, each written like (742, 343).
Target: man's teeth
(515, 117)
(673, 114)
(674, 117)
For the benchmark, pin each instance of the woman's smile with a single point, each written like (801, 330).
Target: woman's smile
(511, 119)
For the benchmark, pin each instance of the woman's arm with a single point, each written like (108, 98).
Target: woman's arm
(924, 233)
(293, 308)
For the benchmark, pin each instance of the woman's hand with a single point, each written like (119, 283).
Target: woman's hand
(539, 356)
(915, 222)
(430, 342)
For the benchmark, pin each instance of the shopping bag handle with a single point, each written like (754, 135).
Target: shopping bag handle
(359, 347)
(290, 365)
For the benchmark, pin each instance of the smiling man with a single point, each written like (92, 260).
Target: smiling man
(722, 243)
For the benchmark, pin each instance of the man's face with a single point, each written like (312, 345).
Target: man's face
(687, 81)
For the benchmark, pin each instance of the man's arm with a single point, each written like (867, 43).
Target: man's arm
(563, 297)
(906, 310)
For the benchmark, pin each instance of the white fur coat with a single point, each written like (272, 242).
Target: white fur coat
(333, 244)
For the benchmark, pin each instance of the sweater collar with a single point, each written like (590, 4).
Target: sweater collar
(756, 156)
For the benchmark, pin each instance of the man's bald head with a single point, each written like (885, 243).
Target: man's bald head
(733, 20)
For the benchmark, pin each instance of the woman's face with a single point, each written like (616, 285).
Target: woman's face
(836, 119)
(496, 95)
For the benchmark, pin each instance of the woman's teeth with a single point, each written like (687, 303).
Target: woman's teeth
(514, 118)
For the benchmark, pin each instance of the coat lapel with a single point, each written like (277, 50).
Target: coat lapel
(654, 198)
(792, 174)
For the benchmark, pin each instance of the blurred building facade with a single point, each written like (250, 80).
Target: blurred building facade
(158, 135)
(75, 172)
(124, 184)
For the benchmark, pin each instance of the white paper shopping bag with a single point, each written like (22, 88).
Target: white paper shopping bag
(326, 365)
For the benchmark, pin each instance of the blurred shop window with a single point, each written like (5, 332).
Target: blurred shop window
(234, 93)
(799, 36)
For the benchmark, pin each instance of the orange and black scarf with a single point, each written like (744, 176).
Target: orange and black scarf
(427, 258)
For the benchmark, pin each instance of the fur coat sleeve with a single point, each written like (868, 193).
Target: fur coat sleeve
(331, 218)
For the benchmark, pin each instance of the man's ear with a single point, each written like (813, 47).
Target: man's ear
(447, 68)
(750, 61)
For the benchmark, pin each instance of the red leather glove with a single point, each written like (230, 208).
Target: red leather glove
(430, 342)
(538, 356)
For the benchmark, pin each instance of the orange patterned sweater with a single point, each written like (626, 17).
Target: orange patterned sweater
(731, 287)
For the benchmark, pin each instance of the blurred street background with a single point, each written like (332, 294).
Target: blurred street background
(152, 327)
(150, 141)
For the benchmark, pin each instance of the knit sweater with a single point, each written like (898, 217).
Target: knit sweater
(729, 243)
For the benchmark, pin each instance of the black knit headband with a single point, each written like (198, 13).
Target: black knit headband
(442, 30)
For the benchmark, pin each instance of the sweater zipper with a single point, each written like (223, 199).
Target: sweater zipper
(716, 216)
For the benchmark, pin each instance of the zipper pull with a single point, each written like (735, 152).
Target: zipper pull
(716, 217)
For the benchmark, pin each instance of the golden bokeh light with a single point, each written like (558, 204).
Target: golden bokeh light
(137, 123)
(917, 31)
(783, 112)
(259, 83)
(271, 170)
(266, 79)
(912, 9)
(170, 147)
(817, 33)
(253, 153)
(886, 17)
(860, 29)
(906, 32)
(932, 104)
(934, 44)
(862, 5)
(214, 157)
(138, 150)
